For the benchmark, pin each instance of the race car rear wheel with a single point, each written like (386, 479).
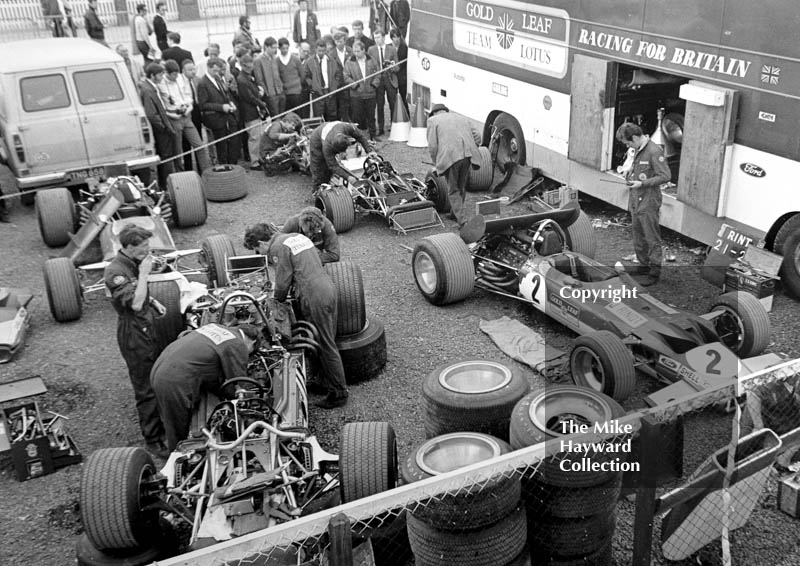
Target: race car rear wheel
(601, 361)
(471, 396)
(367, 460)
(55, 212)
(508, 141)
(581, 236)
(364, 353)
(351, 305)
(170, 324)
(480, 179)
(224, 183)
(436, 189)
(744, 325)
(216, 249)
(63, 288)
(443, 268)
(337, 205)
(185, 191)
(113, 497)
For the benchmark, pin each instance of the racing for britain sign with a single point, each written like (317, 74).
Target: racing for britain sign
(523, 35)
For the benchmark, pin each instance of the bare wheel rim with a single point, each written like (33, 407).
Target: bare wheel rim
(507, 145)
(425, 272)
(586, 366)
(456, 450)
(554, 410)
(729, 327)
(475, 377)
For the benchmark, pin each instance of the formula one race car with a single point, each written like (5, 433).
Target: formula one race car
(249, 463)
(14, 321)
(400, 199)
(622, 327)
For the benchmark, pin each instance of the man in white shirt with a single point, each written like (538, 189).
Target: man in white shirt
(142, 31)
(177, 96)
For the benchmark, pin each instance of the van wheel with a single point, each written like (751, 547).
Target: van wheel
(55, 212)
(508, 141)
(225, 183)
(185, 191)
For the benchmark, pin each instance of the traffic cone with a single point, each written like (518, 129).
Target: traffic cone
(418, 136)
(400, 122)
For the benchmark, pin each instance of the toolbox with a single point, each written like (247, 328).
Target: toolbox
(39, 444)
(755, 273)
(789, 495)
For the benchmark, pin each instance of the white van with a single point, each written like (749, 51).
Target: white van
(68, 108)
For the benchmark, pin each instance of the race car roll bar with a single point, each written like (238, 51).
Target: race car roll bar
(247, 432)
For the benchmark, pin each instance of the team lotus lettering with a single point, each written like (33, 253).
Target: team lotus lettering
(615, 295)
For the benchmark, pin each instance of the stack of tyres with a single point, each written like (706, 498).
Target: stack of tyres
(479, 524)
(571, 510)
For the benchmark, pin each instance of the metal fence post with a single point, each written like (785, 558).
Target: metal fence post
(341, 550)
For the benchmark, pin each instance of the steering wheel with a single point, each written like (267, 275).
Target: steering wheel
(372, 165)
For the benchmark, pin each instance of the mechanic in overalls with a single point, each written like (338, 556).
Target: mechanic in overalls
(649, 172)
(278, 134)
(198, 362)
(314, 226)
(325, 142)
(297, 262)
(126, 280)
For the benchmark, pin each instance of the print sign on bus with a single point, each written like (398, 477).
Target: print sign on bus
(534, 38)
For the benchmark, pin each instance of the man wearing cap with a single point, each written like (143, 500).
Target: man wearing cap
(154, 109)
(325, 142)
(314, 226)
(297, 262)
(451, 140)
(196, 363)
(126, 280)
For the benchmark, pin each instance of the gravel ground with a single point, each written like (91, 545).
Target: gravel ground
(87, 380)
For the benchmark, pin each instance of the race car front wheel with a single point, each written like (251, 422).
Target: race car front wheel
(443, 268)
(436, 189)
(601, 361)
(63, 289)
(185, 191)
(170, 324)
(216, 251)
(337, 205)
(55, 211)
(743, 325)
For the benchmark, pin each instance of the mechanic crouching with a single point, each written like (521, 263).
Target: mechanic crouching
(296, 261)
(328, 140)
(198, 362)
(278, 135)
(314, 226)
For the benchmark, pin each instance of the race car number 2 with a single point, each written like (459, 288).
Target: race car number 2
(532, 287)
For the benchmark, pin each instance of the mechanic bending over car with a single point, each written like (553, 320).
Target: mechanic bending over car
(126, 280)
(314, 226)
(278, 134)
(649, 172)
(297, 262)
(325, 142)
(198, 362)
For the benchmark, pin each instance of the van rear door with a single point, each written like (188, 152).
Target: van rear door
(110, 117)
(49, 127)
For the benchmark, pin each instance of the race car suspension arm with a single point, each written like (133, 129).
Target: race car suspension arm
(247, 432)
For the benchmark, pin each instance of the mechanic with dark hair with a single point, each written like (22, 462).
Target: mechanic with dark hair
(325, 142)
(200, 361)
(314, 226)
(278, 134)
(126, 280)
(296, 261)
(649, 172)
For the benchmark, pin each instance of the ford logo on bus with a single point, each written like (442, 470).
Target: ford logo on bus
(752, 170)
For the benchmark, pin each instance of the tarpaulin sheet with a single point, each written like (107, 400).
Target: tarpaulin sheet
(521, 343)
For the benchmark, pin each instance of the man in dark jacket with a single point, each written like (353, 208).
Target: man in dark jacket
(322, 76)
(312, 224)
(304, 27)
(175, 52)
(198, 362)
(297, 263)
(163, 132)
(94, 27)
(400, 14)
(386, 57)
(126, 280)
(160, 26)
(268, 77)
(378, 16)
(252, 108)
(218, 112)
(325, 142)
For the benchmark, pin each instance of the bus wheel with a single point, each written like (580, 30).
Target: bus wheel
(787, 243)
(508, 141)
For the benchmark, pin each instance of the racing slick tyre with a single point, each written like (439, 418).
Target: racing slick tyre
(571, 538)
(480, 179)
(223, 183)
(787, 243)
(473, 507)
(337, 204)
(744, 325)
(471, 396)
(363, 354)
(571, 502)
(88, 555)
(63, 288)
(55, 212)
(170, 324)
(367, 460)
(216, 250)
(542, 415)
(601, 557)
(185, 191)
(111, 497)
(601, 361)
(508, 141)
(436, 189)
(581, 236)
(443, 268)
(497, 544)
(351, 306)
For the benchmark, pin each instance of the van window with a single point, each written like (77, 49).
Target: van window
(45, 92)
(97, 86)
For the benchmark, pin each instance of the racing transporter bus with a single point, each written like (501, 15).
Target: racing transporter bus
(717, 82)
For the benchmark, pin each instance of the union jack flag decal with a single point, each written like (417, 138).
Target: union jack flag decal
(770, 75)
(505, 33)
